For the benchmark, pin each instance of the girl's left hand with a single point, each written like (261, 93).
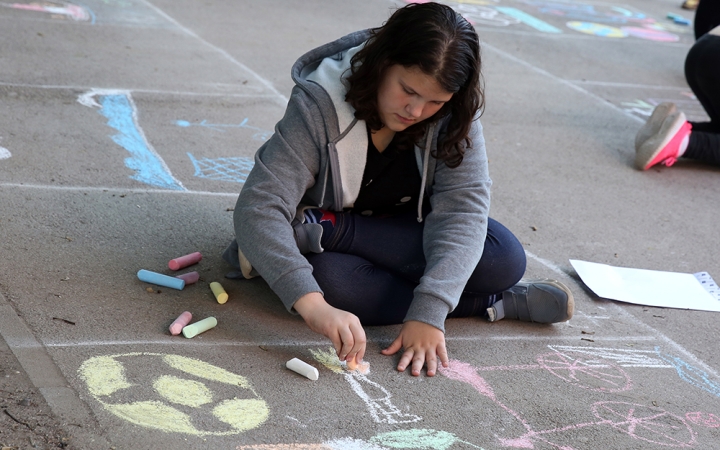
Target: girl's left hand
(423, 344)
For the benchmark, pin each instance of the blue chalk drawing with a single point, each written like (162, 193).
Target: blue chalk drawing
(235, 169)
(693, 375)
(260, 135)
(529, 20)
(149, 167)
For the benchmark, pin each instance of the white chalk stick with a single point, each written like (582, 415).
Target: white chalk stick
(302, 368)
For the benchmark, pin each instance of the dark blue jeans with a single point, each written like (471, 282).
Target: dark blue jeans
(371, 265)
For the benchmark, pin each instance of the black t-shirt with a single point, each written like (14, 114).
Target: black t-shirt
(390, 183)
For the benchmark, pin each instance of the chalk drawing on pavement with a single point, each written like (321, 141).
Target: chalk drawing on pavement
(4, 153)
(376, 397)
(419, 439)
(693, 375)
(122, 115)
(684, 100)
(260, 134)
(702, 419)
(597, 29)
(235, 169)
(649, 424)
(189, 396)
(60, 10)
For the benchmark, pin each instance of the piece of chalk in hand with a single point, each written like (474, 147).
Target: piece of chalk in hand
(182, 320)
(351, 364)
(190, 277)
(190, 331)
(184, 261)
(160, 279)
(220, 294)
(303, 369)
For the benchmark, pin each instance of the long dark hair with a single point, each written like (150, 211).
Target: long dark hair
(442, 44)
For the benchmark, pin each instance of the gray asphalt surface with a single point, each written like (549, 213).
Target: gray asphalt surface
(128, 126)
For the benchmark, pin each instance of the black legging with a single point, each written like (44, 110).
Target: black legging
(702, 72)
(371, 266)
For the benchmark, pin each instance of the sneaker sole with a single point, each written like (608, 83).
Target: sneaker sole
(570, 299)
(652, 147)
(654, 122)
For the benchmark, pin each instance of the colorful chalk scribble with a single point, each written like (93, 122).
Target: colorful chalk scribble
(648, 424)
(595, 19)
(191, 397)
(235, 169)
(122, 115)
(412, 439)
(62, 10)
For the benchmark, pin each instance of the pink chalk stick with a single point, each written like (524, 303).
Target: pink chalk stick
(182, 320)
(190, 277)
(184, 261)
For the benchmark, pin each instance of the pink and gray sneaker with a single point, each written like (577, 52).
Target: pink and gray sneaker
(660, 140)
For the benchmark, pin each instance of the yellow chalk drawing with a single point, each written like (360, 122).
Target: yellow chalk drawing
(182, 391)
(328, 358)
(241, 414)
(104, 375)
(204, 370)
(108, 380)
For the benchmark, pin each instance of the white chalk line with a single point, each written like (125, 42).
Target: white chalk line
(182, 342)
(282, 99)
(138, 90)
(116, 189)
(635, 321)
(628, 85)
(564, 82)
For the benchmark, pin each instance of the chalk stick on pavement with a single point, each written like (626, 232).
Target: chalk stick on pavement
(190, 277)
(192, 330)
(220, 294)
(303, 369)
(184, 261)
(179, 323)
(160, 279)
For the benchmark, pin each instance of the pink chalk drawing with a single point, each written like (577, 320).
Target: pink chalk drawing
(57, 9)
(594, 375)
(703, 419)
(649, 424)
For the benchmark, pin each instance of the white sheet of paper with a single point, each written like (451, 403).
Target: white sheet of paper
(646, 287)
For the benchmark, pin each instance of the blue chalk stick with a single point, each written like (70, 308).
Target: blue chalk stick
(681, 21)
(160, 279)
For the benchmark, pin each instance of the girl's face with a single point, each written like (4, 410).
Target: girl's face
(407, 96)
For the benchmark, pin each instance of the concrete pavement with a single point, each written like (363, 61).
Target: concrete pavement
(128, 126)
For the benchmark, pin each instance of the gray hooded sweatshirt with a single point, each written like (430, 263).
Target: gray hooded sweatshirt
(316, 158)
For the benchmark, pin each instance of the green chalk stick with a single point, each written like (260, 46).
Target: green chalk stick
(192, 330)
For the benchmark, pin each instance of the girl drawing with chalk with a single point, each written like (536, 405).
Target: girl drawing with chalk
(369, 205)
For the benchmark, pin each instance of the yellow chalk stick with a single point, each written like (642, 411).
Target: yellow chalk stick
(192, 330)
(219, 292)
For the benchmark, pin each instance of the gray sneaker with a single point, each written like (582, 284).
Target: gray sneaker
(541, 301)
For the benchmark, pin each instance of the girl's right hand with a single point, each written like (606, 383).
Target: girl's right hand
(341, 327)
